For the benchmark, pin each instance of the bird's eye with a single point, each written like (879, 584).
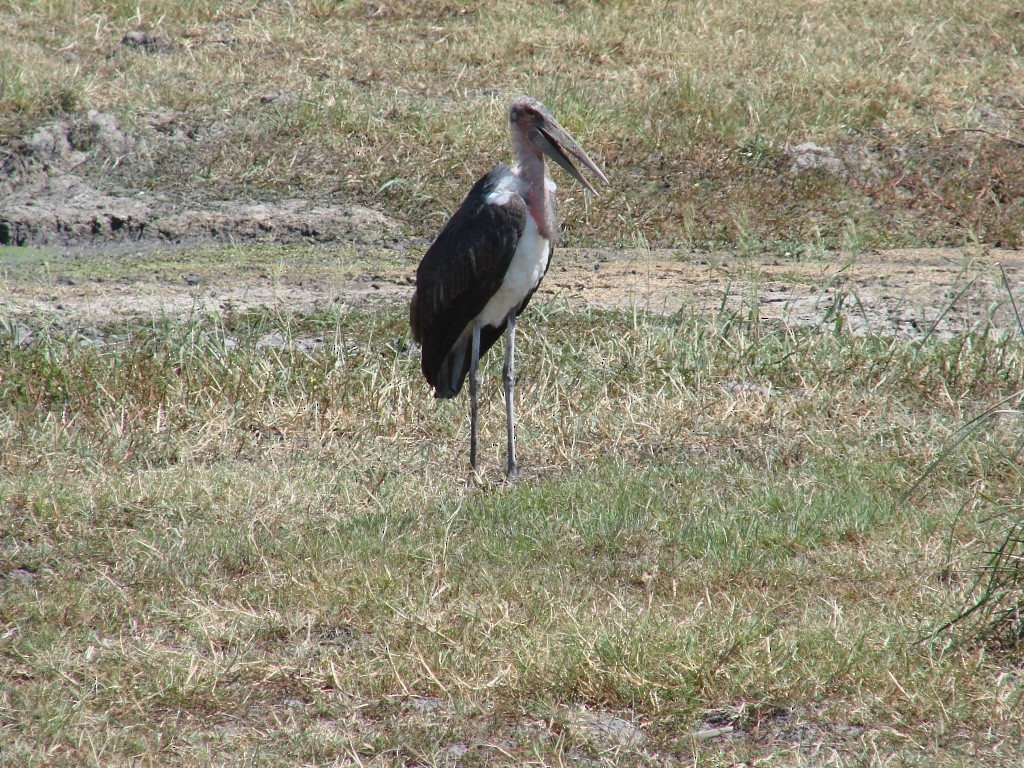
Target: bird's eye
(525, 115)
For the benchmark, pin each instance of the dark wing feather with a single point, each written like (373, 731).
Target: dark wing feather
(457, 277)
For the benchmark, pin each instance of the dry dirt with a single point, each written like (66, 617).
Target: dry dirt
(67, 186)
(904, 292)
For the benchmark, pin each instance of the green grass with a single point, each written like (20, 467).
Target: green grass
(216, 550)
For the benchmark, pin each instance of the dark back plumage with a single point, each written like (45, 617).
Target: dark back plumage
(457, 277)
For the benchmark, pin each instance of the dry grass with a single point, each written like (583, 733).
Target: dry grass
(249, 538)
(400, 105)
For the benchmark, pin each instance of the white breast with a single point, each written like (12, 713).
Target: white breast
(524, 274)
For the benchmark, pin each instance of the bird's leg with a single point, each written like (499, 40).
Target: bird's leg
(509, 379)
(474, 386)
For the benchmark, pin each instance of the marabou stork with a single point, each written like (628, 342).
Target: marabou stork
(486, 263)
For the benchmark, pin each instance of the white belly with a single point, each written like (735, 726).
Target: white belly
(529, 263)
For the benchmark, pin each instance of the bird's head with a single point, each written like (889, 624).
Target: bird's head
(531, 121)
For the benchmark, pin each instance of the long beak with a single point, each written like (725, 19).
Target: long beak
(555, 142)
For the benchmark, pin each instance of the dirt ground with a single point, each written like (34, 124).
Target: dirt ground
(905, 292)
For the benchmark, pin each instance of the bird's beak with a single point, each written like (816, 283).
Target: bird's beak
(556, 143)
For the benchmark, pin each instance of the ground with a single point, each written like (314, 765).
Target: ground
(905, 292)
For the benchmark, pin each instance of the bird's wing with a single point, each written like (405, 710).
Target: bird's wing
(459, 273)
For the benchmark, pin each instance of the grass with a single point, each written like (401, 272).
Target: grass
(248, 536)
(203, 266)
(400, 105)
(219, 549)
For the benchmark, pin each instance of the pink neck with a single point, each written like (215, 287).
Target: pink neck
(531, 171)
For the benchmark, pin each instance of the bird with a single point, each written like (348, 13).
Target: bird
(488, 260)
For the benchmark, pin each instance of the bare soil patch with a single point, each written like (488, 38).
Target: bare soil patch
(73, 186)
(904, 292)
(68, 213)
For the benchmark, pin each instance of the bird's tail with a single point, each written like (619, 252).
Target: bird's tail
(449, 376)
